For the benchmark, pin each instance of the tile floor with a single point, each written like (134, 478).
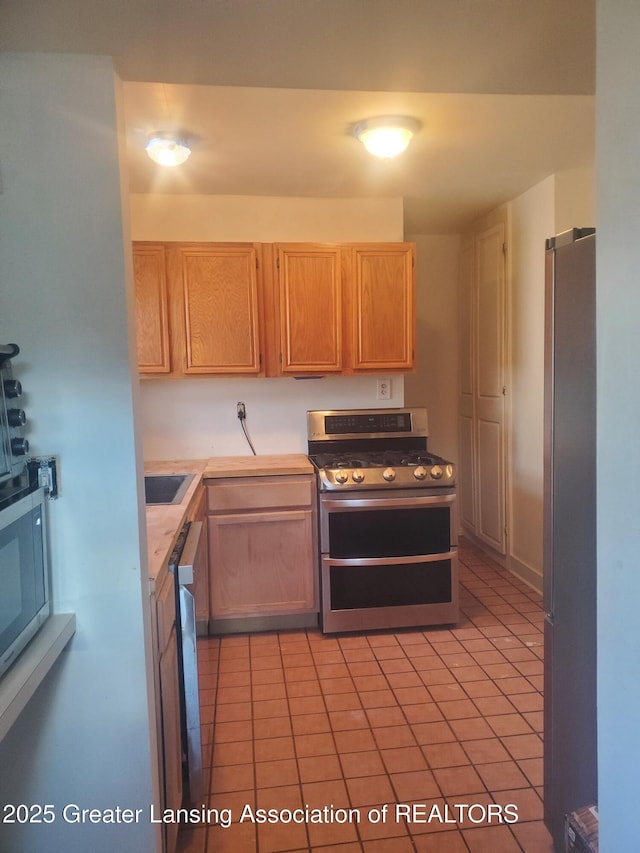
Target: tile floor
(412, 719)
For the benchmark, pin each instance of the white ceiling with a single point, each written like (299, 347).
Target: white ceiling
(267, 91)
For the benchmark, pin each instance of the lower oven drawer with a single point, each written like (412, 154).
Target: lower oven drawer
(378, 594)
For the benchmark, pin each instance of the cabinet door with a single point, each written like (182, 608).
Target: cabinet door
(310, 308)
(216, 290)
(261, 563)
(171, 737)
(382, 309)
(152, 327)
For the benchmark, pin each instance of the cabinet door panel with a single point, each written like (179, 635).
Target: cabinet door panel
(259, 563)
(152, 327)
(310, 309)
(171, 736)
(383, 308)
(219, 295)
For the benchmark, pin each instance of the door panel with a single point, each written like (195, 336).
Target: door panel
(489, 387)
(466, 431)
(219, 294)
(152, 325)
(383, 306)
(310, 298)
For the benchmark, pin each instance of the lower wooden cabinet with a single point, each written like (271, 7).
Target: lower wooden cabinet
(262, 547)
(169, 703)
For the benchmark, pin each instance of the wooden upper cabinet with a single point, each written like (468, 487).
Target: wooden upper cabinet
(274, 309)
(152, 325)
(216, 300)
(310, 308)
(382, 307)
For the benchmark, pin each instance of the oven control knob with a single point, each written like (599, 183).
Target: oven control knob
(19, 446)
(389, 474)
(342, 476)
(420, 472)
(12, 388)
(436, 472)
(358, 475)
(16, 417)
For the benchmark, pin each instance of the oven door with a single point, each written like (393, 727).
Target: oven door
(388, 560)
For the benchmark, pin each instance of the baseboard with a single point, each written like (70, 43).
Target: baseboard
(478, 543)
(532, 577)
(253, 624)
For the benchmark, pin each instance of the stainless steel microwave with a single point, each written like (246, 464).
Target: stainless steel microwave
(24, 575)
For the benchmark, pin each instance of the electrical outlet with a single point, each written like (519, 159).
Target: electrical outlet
(384, 389)
(241, 411)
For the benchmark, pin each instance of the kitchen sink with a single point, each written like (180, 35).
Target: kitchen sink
(166, 488)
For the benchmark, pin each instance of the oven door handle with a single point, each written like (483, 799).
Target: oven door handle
(389, 561)
(346, 504)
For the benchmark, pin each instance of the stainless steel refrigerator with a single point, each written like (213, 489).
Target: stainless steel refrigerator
(570, 764)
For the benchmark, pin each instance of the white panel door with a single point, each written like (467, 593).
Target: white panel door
(466, 472)
(489, 396)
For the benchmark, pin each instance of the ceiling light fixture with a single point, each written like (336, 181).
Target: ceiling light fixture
(167, 149)
(386, 136)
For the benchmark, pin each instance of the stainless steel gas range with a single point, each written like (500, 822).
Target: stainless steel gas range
(388, 534)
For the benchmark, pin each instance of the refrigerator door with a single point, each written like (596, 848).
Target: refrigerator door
(570, 767)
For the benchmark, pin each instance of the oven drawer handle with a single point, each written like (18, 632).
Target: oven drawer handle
(389, 561)
(387, 503)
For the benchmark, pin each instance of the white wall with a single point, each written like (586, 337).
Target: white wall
(618, 357)
(263, 219)
(84, 737)
(435, 381)
(575, 198)
(196, 418)
(532, 221)
(559, 202)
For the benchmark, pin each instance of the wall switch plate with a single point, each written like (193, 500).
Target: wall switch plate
(384, 389)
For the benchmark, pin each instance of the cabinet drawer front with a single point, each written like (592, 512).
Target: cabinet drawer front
(260, 493)
(166, 611)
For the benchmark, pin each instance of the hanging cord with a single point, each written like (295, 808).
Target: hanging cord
(242, 416)
(246, 435)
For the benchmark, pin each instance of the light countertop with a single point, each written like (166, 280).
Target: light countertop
(164, 521)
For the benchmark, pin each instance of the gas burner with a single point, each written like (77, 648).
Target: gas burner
(391, 453)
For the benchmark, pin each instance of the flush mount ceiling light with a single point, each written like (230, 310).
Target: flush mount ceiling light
(167, 149)
(386, 136)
